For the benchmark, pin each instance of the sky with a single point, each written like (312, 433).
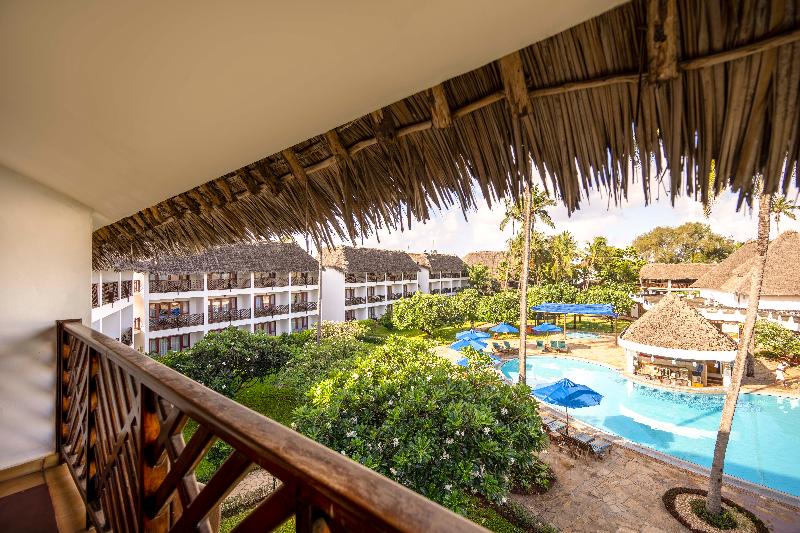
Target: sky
(449, 232)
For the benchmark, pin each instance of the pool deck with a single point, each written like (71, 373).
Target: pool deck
(622, 493)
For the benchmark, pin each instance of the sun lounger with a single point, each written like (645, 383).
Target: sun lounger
(498, 347)
(556, 426)
(600, 447)
(547, 419)
(540, 345)
(508, 345)
(562, 346)
(554, 345)
(582, 438)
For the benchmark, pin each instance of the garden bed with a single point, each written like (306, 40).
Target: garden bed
(682, 504)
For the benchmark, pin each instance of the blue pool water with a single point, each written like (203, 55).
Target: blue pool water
(764, 439)
(582, 335)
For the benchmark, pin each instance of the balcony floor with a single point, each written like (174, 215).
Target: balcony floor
(46, 502)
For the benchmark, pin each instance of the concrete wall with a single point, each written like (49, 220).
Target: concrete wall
(45, 263)
(332, 283)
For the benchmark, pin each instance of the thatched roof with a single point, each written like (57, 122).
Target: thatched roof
(715, 81)
(246, 257)
(489, 258)
(354, 260)
(439, 262)
(781, 273)
(673, 271)
(672, 323)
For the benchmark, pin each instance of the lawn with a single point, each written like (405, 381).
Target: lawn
(443, 335)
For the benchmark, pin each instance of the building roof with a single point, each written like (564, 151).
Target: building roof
(439, 262)
(781, 272)
(356, 260)
(674, 271)
(491, 259)
(570, 96)
(246, 257)
(672, 323)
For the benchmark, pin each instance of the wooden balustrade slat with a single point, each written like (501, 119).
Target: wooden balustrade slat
(221, 483)
(271, 513)
(187, 459)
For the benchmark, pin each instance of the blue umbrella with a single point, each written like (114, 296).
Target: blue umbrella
(495, 358)
(568, 394)
(471, 334)
(472, 343)
(546, 327)
(463, 362)
(502, 327)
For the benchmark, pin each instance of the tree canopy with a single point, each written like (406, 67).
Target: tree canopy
(693, 242)
(426, 312)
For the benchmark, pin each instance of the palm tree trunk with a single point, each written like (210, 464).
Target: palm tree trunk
(714, 502)
(523, 284)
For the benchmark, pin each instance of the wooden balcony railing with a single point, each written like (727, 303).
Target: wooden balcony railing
(127, 337)
(395, 276)
(376, 298)
(126, 289)
(233, 283)
(435, 275)
(395, 295)
(119, 428)
(175, 285)
(303, 279)
(354, 278)
(95, 296)
(409, 294)
(356, 300)
(110, 292)
(410, 276)
(230, 315)
(176, 321)
(302, 307)
(263, 282)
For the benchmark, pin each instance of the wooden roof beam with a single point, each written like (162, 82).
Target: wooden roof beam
(294, 165)
(514, 85)
(440, 109)
(662, 40)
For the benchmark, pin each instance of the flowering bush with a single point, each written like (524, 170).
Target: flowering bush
(444, 431)
(314, 362)
(229, 360)
(343, 331)
(426, 312)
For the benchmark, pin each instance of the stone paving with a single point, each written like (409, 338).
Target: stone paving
(622, 493)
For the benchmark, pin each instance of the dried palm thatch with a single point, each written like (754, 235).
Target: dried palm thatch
(277, 257)
(664, 86)
(674, 271)
(353, 260)
(489, 258)
(781, 273)
(672, 323)
(439, 262)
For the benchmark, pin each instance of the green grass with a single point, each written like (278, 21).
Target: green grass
(443, 335)
(595, 325)
(227, 524)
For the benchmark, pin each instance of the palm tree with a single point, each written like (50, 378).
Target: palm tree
(565, 249)
(714, 501)
(783, 207)
(595, 254)
(534, 206)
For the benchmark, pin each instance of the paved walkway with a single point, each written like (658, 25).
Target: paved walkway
(622, 493)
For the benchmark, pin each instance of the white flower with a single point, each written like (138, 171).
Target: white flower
(393, 471)
(428, 378)
(445, 455)
(355, 376)
(391, 402)
(223, 363)
(511, 461)
(448, 440)
(486, 431)
(503, 411)
(294, 426)
(395, 441)
(503, 500)
(351, 434)
(448, 487)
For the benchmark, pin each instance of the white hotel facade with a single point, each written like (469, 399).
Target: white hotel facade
(173, 302)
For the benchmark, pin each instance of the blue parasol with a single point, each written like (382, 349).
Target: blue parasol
(546, 327)
(503, 327)
(472, 343)
(568, 394)
(471, 334)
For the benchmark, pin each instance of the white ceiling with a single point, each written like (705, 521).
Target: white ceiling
(123, 104)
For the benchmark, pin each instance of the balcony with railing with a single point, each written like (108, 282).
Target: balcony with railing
(375, 298)
(355, 278)
(267, 281)
(394, 276)
(121, 419)
(228, 315)
(409, 294)
(175, 285)
(435, 275)
(126, 288)
(409, 276)
(110, 292)
(127, 337)
(176, 321)
(95, 295)
(395, 295)
(271, 310)
(374, 277)
(355, 300)
(238, 282)
(303, 307)
(304, 278)
(436, 291)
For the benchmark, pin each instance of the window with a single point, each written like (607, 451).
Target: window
(300, 324)
(350, 315)
(165, 309)
(271, 328)
(216, 305)
(370, 291)
(299, 297)
(265, 301)
(175, 343)
(349, 293)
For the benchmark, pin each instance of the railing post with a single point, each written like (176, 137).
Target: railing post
(63, 352)
(153, 467)
(92, 496)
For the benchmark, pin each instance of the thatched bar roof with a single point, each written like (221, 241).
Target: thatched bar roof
(439, 262)
(674, 271)
(716, 82)
(277, 257)
(672, 323)
(356, 260)
(489, 258)
(781, 272)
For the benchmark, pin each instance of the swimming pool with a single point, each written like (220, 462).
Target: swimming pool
(764, 439)
(582, 335)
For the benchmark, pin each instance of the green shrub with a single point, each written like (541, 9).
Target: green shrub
(386, 319)
(777, 342)
(313, 362)
(467, 303)
(231, 359)
(445, 431)
(426, 312)
(344, 331)
(724, 520)
(500, 307)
